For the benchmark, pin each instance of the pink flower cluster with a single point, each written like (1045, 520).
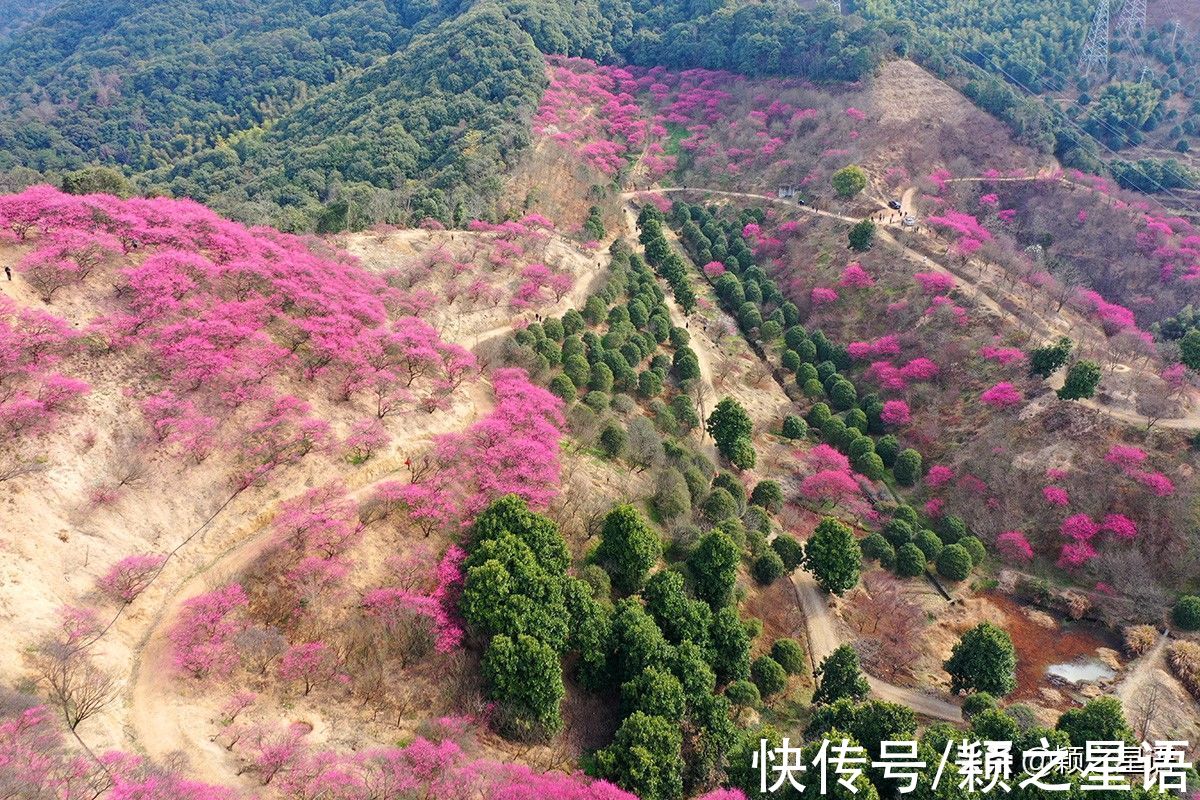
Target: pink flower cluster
(1002, 355)
(1001, 395)
(888, 345)
(934, 282)
(855, 277)
(1014, 546)
(1130, 459)
(823, 296)
(514, 450)
(896, 413)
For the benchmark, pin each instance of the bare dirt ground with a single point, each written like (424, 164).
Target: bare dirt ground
(905, 94)
(1156, 703)
(984, 284)
(162, 720)
(765, 407)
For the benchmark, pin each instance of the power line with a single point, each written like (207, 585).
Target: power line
(1129, 16)
(1131, 20)
(1095, 49)
(1065, 117)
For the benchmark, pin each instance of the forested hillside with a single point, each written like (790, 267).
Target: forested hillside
(16, 14)
(1021, 61)
(386, 112)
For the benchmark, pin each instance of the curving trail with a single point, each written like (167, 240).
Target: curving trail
(162, 720)
(821, 627)
(823, 639)
(1189, 422)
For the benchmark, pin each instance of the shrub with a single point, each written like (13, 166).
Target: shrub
(1100, 720)
(888, 448)
(563, 388)
(1186, 613)
(1139, 639)
(929, 542)
(1044, 361)
(730, 483)
(727, 424)
(974, 548)
(790, 655)
(1082, 379)
(743, 693)
(856, 419)
(849, 181)
(714, 565)
(790, 360)
(597, 579)
(628, 548)
(794, 427)
(870, 466)
(977, 703)
(833, 557)
(819, 414)
(877, 547)
(671, 496)
(910, 561)
(597, 401)
(898, 532)
(523, 676)
(768, 676)
(983, 660)
(952, 529)
(842, 394)
(612, 439)
(758, 520)
(742, 454)
(768, 568)
(839, 676)
(767, 494)
(954, 562)
(907, 467)
(862, 236)
(1184, 660)
(789, 550)
(719, 505)
(906, 512)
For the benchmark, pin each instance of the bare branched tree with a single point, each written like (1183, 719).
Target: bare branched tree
(71, 679)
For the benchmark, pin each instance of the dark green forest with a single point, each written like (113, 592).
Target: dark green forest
(331, 114)
(326, 114)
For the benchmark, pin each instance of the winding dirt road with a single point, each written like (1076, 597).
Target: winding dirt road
(1189, 422)
(820, 625)
(161, 719)
(823, 639)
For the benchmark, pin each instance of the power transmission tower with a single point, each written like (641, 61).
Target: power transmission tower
(1131, 19)
(1095, 49)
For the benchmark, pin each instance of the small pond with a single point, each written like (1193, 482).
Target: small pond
(1083, 670)
(1066, 652)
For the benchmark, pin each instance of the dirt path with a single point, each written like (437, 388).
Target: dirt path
(820, 625)
(823, 639)
(972, 285)
(161, 719)
(1136, 678)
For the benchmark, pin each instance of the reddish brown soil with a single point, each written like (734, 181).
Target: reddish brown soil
(1039, 646)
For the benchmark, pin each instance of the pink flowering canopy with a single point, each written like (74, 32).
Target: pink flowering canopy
(1014, 546)
(1056, 496)
(896, 413)
(1001, 395)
